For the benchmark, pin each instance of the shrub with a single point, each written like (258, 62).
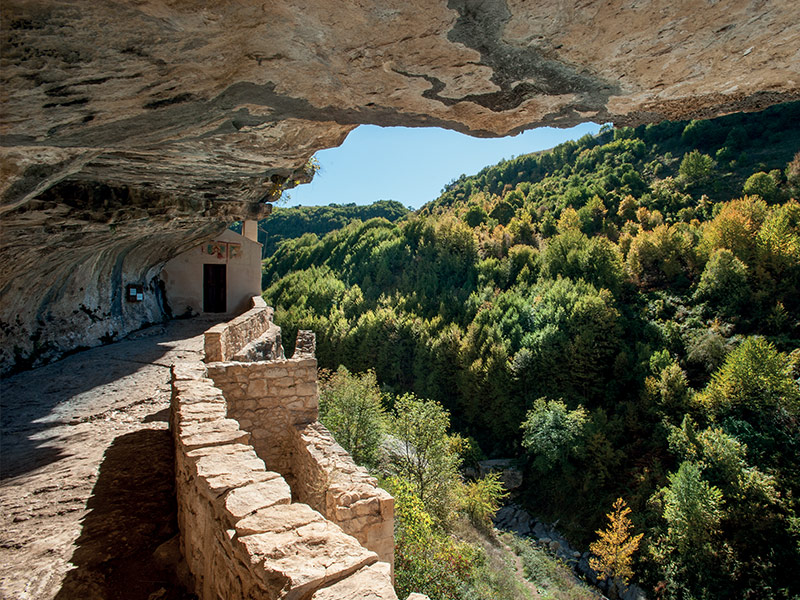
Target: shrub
(481, 499)
(761, 184)
(350, 406)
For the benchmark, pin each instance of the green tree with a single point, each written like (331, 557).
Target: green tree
(552, 433)
(696, 167)
(426, 457)
(481, 499)
(572, 254)
(427, 560)
(689, 553)
(573, 335)
(475, 215)
(692, 509)
(762, 185)
(503, 212)
(755, 376)
(664, 257)
(350, 407)
(724, 283)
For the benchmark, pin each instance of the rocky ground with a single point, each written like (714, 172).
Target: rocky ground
(86, 494)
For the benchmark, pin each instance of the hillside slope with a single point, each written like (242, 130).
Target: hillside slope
(622, 313)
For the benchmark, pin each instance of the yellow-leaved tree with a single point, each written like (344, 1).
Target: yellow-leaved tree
(614, 548)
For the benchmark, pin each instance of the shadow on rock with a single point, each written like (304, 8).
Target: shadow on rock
(132, 514)
(34, 402)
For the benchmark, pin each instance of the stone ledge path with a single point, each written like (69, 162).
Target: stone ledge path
(86, 471)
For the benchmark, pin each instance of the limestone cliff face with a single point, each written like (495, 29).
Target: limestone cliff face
(133, 130)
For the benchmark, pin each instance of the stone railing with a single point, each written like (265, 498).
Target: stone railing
(268, 399)
(277, 402)
(269, 505)
(242, 536)
(226, 340)
(329, 481)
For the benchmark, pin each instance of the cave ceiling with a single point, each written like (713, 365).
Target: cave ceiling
(132, 130)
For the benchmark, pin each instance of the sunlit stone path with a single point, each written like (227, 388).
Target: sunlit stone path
(86, 494)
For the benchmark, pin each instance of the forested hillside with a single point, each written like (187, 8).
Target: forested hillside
(622, 313)
(288, 223)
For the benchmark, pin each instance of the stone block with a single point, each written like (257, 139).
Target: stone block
(243, 501)
(219, 472)
(213, 438)
(188, 370)
(202, 411)
(294, 564)
(281, 383)
(195, 390)
(306, 389)
(309, 363)
(256, 387)
(366, 507)
(370, 583)
(275, 372)
(277, 519)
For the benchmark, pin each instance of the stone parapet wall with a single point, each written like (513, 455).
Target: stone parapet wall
(241, 534)
(277, 402)
(329, 481)
(269, 399)
(223, 341)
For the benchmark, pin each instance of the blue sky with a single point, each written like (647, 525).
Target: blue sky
(412, 165)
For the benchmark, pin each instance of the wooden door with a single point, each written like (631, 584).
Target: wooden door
(214, 288)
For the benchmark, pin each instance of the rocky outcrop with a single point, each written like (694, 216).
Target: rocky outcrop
(134, 130)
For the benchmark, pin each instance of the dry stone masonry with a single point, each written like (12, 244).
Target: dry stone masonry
(269, 506)
(250, 336)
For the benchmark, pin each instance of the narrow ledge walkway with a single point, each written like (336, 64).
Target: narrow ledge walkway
(86, 471)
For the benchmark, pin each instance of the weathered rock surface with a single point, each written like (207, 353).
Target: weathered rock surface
(134, 130)
(370, 583)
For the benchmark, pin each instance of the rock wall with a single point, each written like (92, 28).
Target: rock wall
(242, 533)
(269, 505)
(132, 131)
(269, 399)
(277, 402)
(329, 481)
(225, 340)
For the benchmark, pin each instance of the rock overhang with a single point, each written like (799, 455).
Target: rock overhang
(132, 131)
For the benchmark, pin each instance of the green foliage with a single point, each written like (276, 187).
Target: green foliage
(425, 457)
(475, 215)
(762, 185)
(696, 167)
(662, 258)
(553, 433)
(623, 274)
(350, 407)
(291, 223)
(573, 336)
(692, 510)
(426, 560)
(572, 254)
(724, 282)
(481, 499)
(755, 376)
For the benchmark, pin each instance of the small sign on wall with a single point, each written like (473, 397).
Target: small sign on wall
(134, 293)
(234, 250)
